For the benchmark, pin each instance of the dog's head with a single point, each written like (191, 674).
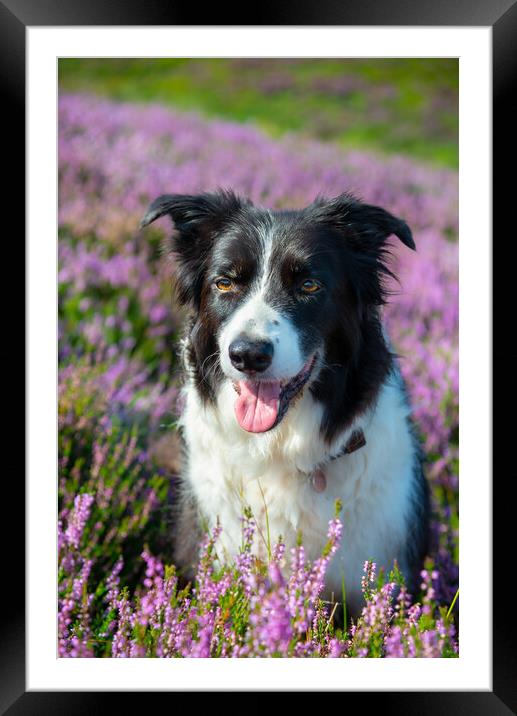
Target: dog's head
(277, 296)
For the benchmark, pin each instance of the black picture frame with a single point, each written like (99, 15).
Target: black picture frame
(15, 16)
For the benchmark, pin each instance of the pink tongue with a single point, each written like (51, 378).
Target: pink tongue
(256, 408)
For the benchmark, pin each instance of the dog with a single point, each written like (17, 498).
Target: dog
(293, 395)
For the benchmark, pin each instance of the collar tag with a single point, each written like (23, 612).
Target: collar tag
(318, 480)
(317, 476)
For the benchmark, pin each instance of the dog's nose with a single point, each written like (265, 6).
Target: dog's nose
(251, 356)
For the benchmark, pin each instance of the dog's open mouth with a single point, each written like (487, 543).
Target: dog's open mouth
(262, 404)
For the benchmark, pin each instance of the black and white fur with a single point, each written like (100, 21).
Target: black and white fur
(270, 258)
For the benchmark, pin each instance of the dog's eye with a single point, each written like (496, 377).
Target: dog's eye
(224, 284)
(310, 286)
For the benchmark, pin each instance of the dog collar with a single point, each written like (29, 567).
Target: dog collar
(355, 442)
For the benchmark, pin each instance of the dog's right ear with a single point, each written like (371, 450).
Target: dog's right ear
(197, 220)
(194, 211)
(159, 207)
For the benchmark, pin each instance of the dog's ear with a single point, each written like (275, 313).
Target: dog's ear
(194, 212)
(197, 221)
(365, 230)
(365, 225)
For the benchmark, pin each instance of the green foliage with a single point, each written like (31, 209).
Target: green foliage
(391, 105)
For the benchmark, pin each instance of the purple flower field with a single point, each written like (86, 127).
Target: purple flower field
(119, 593)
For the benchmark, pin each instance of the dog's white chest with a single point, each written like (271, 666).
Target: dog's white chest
(229, 469)
(274, 474)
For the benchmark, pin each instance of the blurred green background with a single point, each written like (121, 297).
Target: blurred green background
(403, 105)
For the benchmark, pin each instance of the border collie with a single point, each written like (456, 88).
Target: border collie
(293, 396)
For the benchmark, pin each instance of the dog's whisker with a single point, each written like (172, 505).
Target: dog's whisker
(210, 371)
(215, 353)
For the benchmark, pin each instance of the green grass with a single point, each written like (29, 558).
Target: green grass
(407, 106)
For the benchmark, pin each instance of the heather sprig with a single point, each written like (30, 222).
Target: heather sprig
(269, 610)
(391, 625)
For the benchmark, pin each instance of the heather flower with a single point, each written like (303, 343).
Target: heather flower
(368, 578)
(80, 515)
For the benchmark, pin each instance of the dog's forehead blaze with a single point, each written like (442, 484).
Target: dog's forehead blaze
(281, 247)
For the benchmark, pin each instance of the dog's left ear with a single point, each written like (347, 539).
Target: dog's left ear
(376, 224)
(365, 225)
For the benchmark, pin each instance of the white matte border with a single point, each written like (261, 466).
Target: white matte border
(472, 670)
